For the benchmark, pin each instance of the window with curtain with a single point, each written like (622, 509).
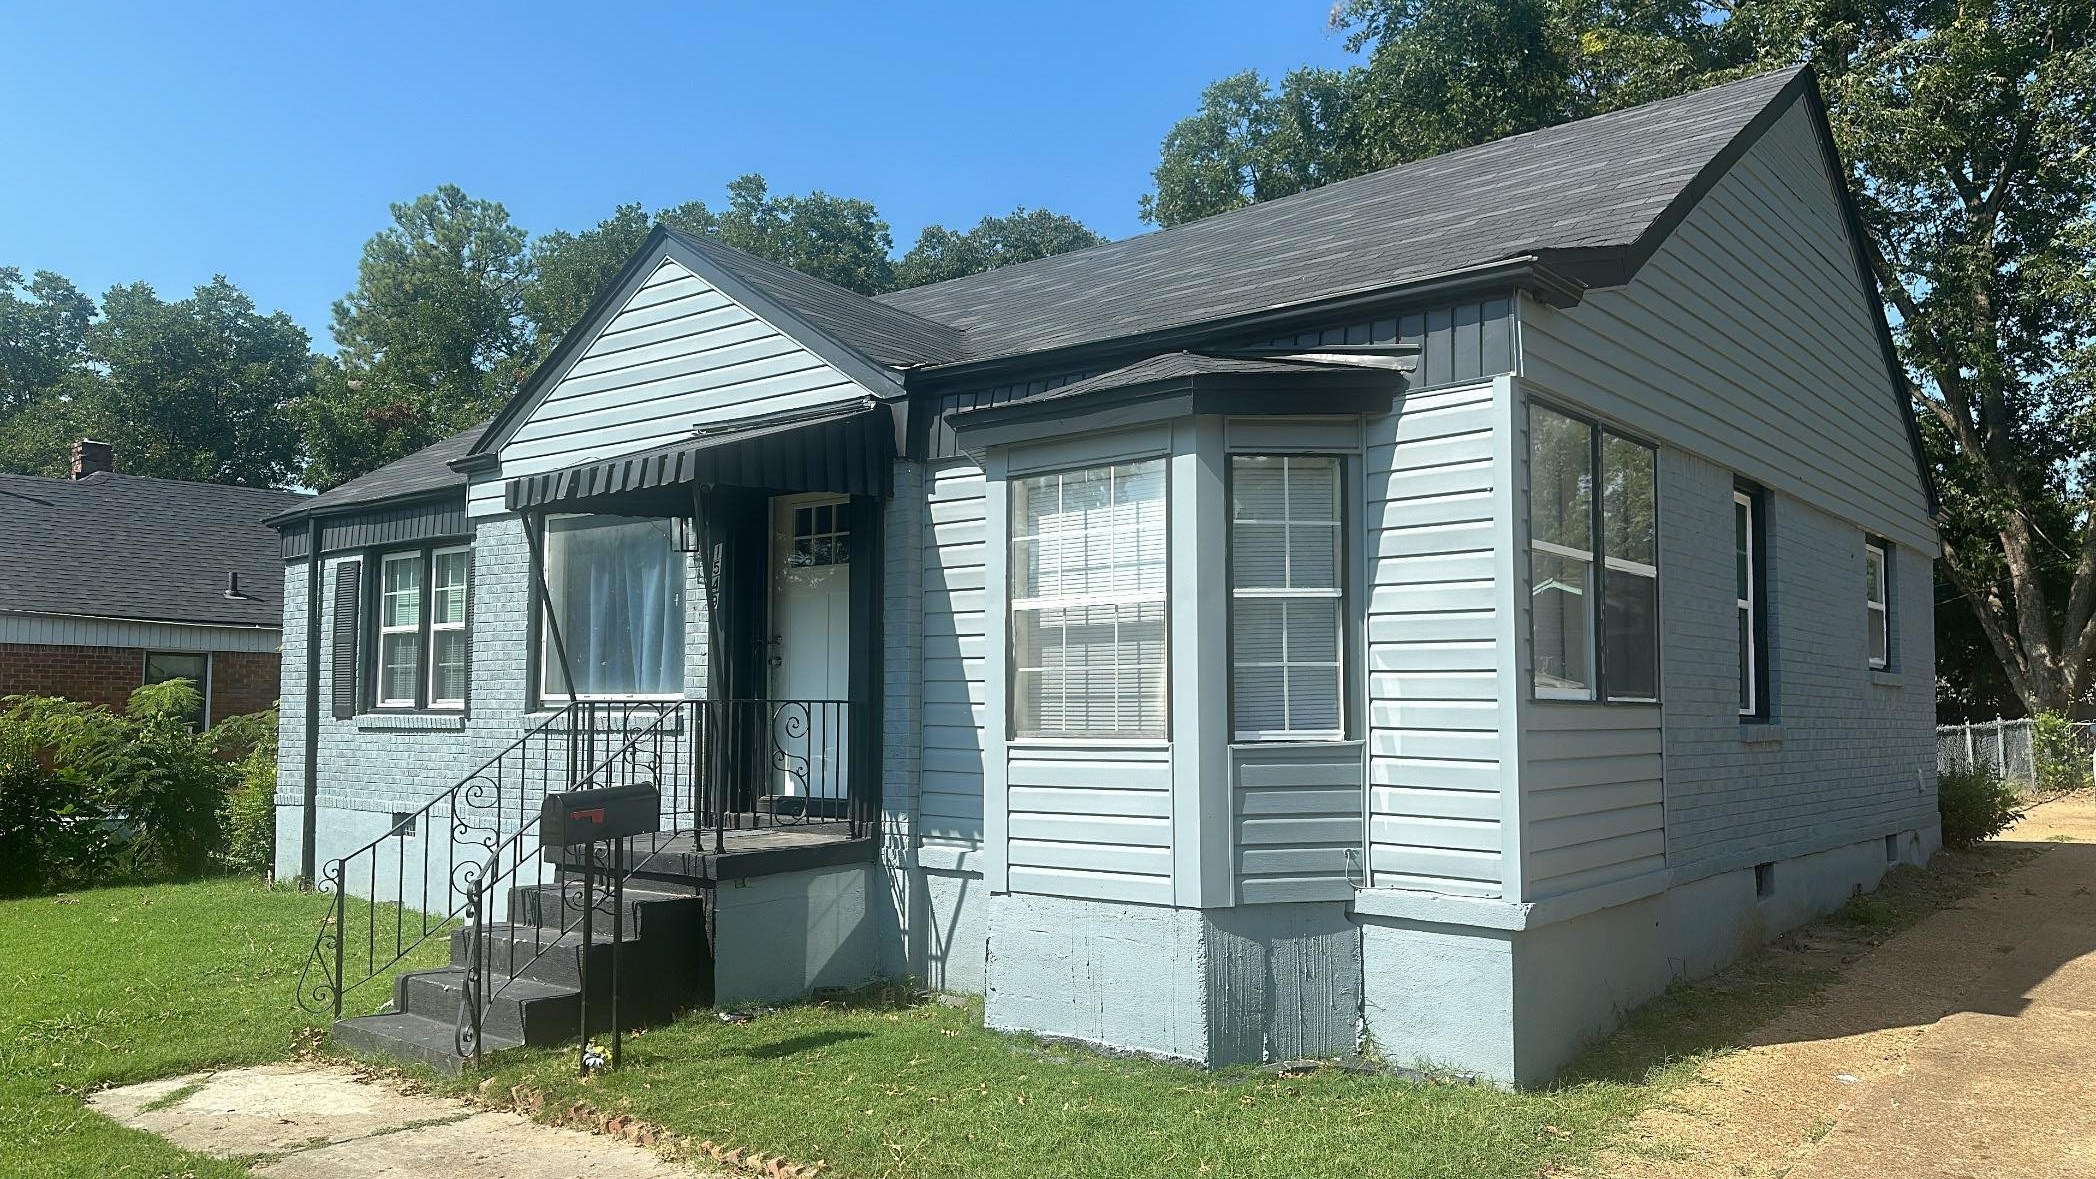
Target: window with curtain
(1087, 576)
(1286, 600)
(617, 588)
(421, 629)
(1593, 561)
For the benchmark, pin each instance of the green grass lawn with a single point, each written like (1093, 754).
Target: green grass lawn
(117, 985)
(129, 984)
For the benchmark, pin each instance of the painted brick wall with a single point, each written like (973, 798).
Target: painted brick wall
(241, 681)
(1852, 752)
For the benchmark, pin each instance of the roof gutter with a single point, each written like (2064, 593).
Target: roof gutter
(1534, 273)
(301, 515)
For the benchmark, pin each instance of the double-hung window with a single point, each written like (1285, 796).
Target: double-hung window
(1286, 601)
(1593, 561)
(421, 631)
(1877, 603)
(1750, 581)
(617, 624)
(1087, 581)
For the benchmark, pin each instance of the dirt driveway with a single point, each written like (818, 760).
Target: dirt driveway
(1964, 1046)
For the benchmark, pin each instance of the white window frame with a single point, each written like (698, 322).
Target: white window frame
(549, 659)
(1751, 653)
(417, 557)
(1039, 602)
(1877, 612)
(1336, 594)
(465, 588)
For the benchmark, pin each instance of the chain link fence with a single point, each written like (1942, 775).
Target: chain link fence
(2003, 746)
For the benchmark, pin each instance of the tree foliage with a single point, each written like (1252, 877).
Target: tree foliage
(431, 339)
(1023, 235)
(1967, 131)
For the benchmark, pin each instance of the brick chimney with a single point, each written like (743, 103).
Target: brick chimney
(92, 458)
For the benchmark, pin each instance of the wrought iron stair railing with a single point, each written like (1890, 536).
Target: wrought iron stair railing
(722, 766)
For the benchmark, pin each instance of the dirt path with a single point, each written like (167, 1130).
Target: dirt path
(1964, 1046)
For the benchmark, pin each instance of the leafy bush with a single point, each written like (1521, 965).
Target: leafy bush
(1975, 805)
(2061, 757)
(91, 797)
(251, 815)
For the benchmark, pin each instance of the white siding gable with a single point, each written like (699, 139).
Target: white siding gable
(1748, 338)
(677, 355)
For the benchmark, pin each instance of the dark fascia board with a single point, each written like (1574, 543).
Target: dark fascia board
(1859, 242)
(1338, 392)
(299, 516)
(666, 244)
(1536, 275)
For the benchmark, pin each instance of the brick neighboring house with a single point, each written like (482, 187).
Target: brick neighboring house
(109, 581)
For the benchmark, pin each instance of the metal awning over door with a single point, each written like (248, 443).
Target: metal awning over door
(848, 448)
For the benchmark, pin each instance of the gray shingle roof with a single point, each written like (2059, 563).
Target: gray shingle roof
(1176, 366)
(426, 471)
(128, 546)
(882, 333)
(1596, 183)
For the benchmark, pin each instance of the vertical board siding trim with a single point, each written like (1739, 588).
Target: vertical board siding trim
(348, 581)
(1197, 676)
(996, 749)
(1509, 565)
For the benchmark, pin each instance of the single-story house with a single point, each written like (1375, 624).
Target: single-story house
(1437, 610)
(111, 581)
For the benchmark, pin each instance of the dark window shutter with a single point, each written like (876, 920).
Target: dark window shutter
(349, 577)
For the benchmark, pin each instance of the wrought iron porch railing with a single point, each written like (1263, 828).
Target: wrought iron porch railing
(722, 766)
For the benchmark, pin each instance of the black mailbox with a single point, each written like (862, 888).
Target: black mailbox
(587, 816)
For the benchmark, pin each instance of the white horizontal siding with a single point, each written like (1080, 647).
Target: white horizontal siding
(1591, 795)
(71, 631)
(1085, 821)
(1434, 713)
(950, 791)
(1748, 338)
(679, 354)
(1296, 815)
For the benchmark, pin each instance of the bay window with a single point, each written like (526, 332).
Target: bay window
(617, 589)
(1286, 602)
(421, 629)
(1087, 580)
(1593, 561)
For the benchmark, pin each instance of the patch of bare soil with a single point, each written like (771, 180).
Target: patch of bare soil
(1962, 1046)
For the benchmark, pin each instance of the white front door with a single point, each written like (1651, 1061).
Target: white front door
(811, 625)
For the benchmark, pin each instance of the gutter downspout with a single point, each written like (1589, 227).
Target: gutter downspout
(309, 819)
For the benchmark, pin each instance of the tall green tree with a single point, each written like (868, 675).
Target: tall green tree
(1020, 236)
(44, 322)
(1250, 142)
(200, 388)
(840, 239)
(1966, 127)
(431, 340)
(569, 269)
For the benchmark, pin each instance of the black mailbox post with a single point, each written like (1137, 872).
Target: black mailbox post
(583, 819)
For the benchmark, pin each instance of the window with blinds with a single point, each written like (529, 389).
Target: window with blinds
(1287, 604)
(1088, 564)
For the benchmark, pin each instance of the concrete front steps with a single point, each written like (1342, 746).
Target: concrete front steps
(533, 977)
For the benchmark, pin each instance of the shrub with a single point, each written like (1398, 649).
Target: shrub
(251, 815)
(91, 797)
(1975, 805)
(2060, 756)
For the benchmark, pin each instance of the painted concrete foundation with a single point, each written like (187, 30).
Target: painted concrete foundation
(951, 938)
(1532, 997)
(777, 938)
(1210, 987)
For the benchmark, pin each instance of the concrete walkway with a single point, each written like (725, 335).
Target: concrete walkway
(316, 1122)
(1964, 1047)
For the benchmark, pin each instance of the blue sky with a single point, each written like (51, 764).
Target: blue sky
(170, 142)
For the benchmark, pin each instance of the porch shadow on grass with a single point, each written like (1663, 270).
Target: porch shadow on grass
(794, 1045)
